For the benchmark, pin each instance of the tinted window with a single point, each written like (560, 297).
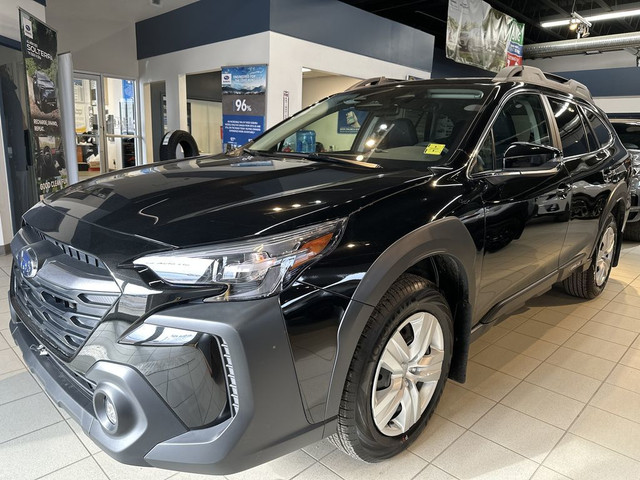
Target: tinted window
(521, 120)
(572, 133)
(600, 131)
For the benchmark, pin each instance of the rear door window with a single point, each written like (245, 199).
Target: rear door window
(570, 126)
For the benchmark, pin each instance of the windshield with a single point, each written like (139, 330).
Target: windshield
(421, 124)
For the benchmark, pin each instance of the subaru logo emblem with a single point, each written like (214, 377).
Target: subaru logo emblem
(28, 262)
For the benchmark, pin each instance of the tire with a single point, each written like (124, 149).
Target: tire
(172, 140)
(410, 301)
(591, 282)
(632, 232)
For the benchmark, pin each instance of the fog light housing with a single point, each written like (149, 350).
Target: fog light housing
(113, 409)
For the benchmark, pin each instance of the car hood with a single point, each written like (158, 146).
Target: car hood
(213, 199)
(46, 83)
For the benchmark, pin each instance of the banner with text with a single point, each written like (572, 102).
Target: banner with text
(243, 104)
(40, 52)
(480, 35)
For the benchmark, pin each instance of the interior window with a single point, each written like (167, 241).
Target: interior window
(599, 129)
(522, 119)
(572, 133)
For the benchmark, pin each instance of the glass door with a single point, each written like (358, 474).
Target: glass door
(121, 128)
(107, 135)
(87, 91)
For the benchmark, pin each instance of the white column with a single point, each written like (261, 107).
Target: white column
(67, 115)
(176, 87)
(6, 225)
(283, 74)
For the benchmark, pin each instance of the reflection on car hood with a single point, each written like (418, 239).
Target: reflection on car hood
(208, 199)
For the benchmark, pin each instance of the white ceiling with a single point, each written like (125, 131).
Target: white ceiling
(85, 22)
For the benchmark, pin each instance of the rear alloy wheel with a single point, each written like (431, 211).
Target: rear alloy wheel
(591, 282)
(398, 371)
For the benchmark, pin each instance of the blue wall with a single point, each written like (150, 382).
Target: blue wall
(326, 22)
(608, 82)
(200, 23)
(336, 24)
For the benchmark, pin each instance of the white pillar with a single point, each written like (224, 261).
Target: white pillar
(282, 75)
(67, 115)
(176, 88)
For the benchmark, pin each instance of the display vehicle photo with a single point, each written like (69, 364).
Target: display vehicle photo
(44, 91)
(213, 313)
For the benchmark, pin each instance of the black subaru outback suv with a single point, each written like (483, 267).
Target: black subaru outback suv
(213, 313)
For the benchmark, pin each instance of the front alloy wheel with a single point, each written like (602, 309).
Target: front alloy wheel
(407, 374)
(398, 371)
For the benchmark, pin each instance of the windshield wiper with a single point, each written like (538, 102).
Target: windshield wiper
(327, 158)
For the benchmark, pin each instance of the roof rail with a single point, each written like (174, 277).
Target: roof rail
(372, 81)
(536, 76)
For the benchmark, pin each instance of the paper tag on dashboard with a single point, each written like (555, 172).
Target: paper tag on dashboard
(434, 149)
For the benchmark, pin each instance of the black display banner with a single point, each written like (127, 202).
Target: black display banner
(40, 52)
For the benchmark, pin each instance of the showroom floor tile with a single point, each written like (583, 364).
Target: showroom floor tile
(552, 393)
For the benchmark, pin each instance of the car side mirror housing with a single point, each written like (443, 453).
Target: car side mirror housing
(524, 156)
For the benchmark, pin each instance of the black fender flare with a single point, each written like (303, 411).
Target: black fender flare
(447, 236)
(619, 195)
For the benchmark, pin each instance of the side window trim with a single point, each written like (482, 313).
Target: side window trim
(489, 129)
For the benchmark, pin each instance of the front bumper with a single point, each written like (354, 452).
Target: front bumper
(270, 420)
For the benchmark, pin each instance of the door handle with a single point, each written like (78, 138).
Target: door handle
(563, 190)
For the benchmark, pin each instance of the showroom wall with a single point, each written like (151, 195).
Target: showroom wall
(114, 55)
(202, 37)
(10, 37)
(596, 71)
(319, 87)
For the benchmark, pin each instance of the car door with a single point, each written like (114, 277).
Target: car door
(595, 172)
(526, 200)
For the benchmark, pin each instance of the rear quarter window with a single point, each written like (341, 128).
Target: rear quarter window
(598, 127)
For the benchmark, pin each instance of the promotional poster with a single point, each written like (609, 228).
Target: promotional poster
(243, 104)
(482, 36)
(39, 49)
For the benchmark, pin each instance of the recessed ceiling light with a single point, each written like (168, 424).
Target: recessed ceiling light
(305, 69)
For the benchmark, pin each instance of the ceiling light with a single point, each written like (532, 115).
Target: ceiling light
(593, 18)
(305, 69)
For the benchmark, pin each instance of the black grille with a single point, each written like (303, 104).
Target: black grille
(61, 318)
(74, 252)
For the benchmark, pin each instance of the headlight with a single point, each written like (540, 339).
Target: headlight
(250, 269)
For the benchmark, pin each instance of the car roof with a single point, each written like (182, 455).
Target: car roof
(516, 74)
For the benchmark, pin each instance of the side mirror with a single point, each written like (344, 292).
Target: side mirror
(524, 155)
